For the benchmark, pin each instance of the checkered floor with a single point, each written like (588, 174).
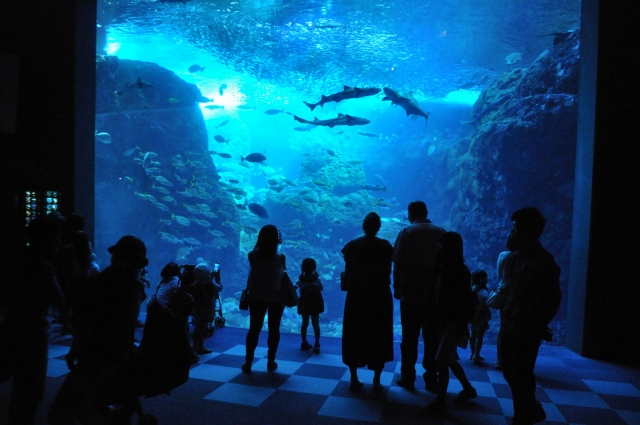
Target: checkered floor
(312, 388)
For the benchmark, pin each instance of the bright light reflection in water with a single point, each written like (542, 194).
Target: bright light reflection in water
(113, 48)
(467, 97)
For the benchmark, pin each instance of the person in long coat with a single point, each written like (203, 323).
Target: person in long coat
(367, 333)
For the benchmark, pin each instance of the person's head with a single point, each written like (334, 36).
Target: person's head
(528, 225)
(129, 252)
(417, 210)
(450, 249)
(268, 241)
(75, 222)
(371, 224)
(479, 277)
(170, 270)
(202, 273)
(308, 266)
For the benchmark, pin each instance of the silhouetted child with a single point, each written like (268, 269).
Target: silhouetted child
(482, 314)
(311, 303)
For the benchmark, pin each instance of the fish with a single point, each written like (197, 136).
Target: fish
(346, 93)
(169, 238)
(161, 207)
(367, 134)
(245, 107)
(330, 152)
(129, 152)
(218, 138)
(196, 68)
(253, 157)
(221, 89)
(216, 233)
(341, 119)
(211, 107)
(182, 252)
(406, 102)
(273, 111)
(513, 58)
(222, 124)
(103, 138)
(181, 220)
(258, 210)
(221, 154)
(139, 84)
(173, 100)
(192, 241)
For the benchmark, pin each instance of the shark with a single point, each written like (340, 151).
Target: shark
(406, 102)
(346, 93)
(341, 119)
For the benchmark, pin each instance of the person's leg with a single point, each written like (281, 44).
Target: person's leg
(355, 384)
(377, 372)
(472, 342)
(315, 322)
(303, 327)
(275, 316)
(257, 311)
(410, 321)
(521, 379)
(479, 342)
(199, 330)
(431, 340)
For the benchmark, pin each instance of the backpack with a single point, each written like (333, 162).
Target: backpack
(311, 300)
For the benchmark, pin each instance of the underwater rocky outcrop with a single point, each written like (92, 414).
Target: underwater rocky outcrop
(521, 153)
(154, 176)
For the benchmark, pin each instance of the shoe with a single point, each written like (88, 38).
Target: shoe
(355, 385)
(272, 365)
(466, 395)
(195, 359)
(431, 383)
(404, 383)
(435, 408)
(203, 350)
(316, 348)
(305, 346)
(498, 366)
(246, 368)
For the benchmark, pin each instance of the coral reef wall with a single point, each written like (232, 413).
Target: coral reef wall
(154, 176)
(522, 153)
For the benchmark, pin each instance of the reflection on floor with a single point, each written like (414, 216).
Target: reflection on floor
(312, 388)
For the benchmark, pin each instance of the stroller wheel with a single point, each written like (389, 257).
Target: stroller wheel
(147, 419)
(219, 322)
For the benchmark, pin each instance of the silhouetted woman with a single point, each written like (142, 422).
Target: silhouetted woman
(452, 290)
(263, 287)
(367, 332)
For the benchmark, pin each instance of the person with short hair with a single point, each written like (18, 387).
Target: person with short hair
(531, 285)
(205, 292)
(413, 284)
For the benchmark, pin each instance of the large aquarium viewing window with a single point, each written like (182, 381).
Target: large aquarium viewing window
(215, 118)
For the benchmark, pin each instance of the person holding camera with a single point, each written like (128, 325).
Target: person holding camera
(531, 293)
(205, 292)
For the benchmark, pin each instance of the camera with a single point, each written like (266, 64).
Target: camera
(216, 272)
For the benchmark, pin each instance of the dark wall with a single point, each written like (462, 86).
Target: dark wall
(52, 147)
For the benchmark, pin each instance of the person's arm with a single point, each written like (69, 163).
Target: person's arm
(397, 268)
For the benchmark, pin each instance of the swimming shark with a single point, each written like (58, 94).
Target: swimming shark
(341, 119)
(406, 102)
(346, 93)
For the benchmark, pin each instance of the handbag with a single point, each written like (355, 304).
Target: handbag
(244, 300)
(497, 297)
(289, 294)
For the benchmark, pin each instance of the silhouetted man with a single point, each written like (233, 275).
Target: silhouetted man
(413, 284)
(532, 298)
